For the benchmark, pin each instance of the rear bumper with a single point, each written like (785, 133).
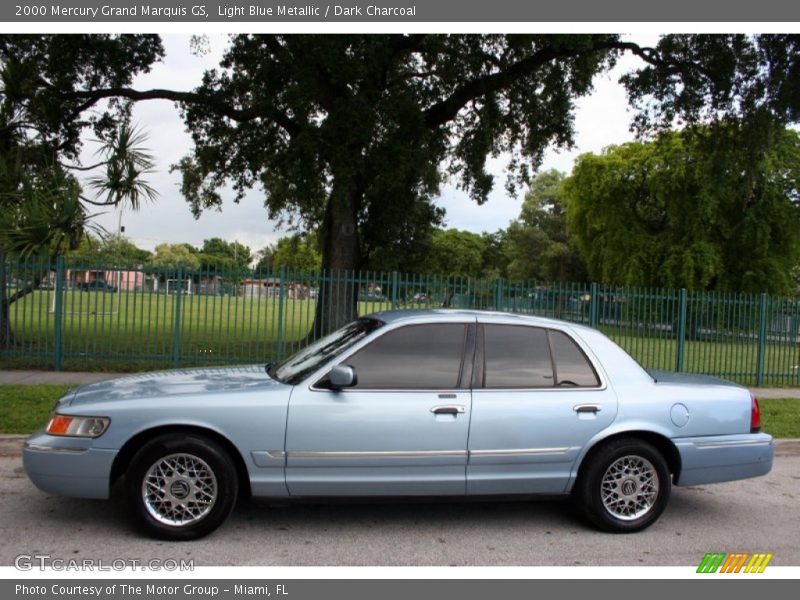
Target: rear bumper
(68, 466)
(714, 459)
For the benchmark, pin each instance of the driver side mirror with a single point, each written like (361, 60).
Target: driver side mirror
(342, 376)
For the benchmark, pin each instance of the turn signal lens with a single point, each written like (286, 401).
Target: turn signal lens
(755, 416)
(90, 427)
(59, 425)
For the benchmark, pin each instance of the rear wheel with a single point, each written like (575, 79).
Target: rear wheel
(624, 487)
(181, 487)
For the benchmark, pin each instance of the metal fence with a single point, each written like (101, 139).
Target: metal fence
(100, 317)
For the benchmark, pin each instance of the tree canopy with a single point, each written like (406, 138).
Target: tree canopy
(537, 245)
(352, 135)
(666, 213)
(173, 256)
(297, 253)
(218, 254)
(110, 250)
(42, 120)
(456, 252)
(44, 209)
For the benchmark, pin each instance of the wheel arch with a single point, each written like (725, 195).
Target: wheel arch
(129, 449)
(661, 442)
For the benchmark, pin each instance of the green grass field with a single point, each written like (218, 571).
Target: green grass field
(25, 408)
(137, 331)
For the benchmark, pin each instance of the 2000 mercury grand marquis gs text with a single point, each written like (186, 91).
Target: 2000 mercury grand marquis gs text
(406, 403)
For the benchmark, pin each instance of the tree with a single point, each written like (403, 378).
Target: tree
(43, 208)
(353, 134)
(343, 132)
(218, 254)
(537, 244)
(456, 253)
(740, 92)
(264, 259)
(171, 257)
(495, 261)
(109, 250)
(665, 213)
(297, 253)
(119, 250)
(41, 123)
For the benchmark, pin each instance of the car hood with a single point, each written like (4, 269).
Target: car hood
(177, 382)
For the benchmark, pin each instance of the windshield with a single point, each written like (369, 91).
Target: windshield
(298, 366)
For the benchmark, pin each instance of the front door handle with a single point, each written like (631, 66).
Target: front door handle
(587, 408)
(448, 409)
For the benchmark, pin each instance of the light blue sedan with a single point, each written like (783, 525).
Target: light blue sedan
(406, 403)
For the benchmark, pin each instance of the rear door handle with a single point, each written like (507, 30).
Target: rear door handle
(448, 409)
(587, 408)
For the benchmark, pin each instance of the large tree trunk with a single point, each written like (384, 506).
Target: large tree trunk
(337, 303)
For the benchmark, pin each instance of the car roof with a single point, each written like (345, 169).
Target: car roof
(447, 314)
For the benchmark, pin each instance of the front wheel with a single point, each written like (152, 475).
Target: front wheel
(181, 487)
(624, 487)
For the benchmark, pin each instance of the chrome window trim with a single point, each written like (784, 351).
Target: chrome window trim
(463, 391)
(393, 391)
(543, 389)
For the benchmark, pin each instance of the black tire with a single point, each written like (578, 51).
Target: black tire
(636, 456)
(217, 473)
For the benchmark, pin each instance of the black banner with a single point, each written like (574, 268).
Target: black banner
(238, 11)
(347, 589)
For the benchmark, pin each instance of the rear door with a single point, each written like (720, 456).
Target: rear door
(537, 399)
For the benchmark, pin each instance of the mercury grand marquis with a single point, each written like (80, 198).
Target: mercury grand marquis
(439, 403)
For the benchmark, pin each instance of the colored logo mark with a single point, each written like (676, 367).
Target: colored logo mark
(735, 562)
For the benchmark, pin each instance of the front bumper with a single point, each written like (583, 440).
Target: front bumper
(68, 466)
(719, 458)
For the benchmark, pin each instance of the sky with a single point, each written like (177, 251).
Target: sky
(601, 119)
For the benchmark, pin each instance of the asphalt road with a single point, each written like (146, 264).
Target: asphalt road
(760, 514)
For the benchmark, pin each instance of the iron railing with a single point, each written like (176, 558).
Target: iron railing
(101, 317)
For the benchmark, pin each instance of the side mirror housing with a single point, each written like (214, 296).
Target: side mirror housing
(342, 376)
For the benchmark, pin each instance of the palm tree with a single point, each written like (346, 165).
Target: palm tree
(44, 212)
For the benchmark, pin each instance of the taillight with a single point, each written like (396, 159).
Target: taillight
(755, 415)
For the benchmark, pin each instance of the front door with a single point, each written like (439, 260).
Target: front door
(401, 430)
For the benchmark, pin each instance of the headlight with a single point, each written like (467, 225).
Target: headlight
(90, 427)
